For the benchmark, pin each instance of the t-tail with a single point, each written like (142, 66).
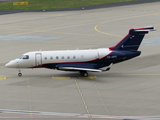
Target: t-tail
(132, 41)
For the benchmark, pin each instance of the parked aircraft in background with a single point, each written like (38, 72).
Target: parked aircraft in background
(84, 61)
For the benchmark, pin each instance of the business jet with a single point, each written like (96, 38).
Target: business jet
(84, 61)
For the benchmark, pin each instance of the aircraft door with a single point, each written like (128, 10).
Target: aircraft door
(38, 60)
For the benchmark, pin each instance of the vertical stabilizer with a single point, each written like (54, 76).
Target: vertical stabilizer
(132, 41)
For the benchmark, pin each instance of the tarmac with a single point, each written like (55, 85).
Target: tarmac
(130, 90)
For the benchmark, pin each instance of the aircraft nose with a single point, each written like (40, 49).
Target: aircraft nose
(7, 65)
(11, 64)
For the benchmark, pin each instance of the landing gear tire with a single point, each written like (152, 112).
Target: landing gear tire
(19, 74)
(83, 73)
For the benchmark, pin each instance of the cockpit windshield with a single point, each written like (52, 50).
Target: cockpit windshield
(20, 57)
(24, 57)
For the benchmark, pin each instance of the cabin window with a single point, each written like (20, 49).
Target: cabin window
(74, 57)
(56, 57)
(68, 57)
(51, 57)
(62, 57)
(45, 58)
(82, 56)
(26, 57)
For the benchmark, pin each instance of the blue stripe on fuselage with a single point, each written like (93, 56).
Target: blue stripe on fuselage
(114, 57)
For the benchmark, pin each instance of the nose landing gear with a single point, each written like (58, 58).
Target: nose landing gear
(19, 74)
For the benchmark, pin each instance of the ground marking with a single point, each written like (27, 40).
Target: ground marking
(103, 22)
(58, 77)
(3, 78)
(89, 77)
(42, 114)
(83, 100)
(45, 30)
(134, 74)
(100, 23)
(67, 77)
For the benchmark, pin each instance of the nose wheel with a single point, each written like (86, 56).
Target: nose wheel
(19, 74)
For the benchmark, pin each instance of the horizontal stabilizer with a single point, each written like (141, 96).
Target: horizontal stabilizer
(144, 30)
(147, 29)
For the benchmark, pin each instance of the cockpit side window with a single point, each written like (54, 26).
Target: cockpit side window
(26, 57)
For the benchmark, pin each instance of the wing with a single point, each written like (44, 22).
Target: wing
(81, 67)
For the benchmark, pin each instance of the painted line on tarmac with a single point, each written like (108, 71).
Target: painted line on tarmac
(84, 34)
(125, 18)
(53, 77)
(99, 23)
(68, 77)
(27, 38)
(45, 30)
(56, 114)
(70, 115)
(12, 28)
(3, 78)
(89, 77)
(83, 99)
(133, 74)
(158, 14)
(58, 77)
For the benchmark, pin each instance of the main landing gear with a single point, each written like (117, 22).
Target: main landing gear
(19, 74)
(83, 73)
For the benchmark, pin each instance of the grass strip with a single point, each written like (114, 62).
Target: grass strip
(54, 4)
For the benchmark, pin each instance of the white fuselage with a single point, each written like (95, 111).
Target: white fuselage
(38, 58)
